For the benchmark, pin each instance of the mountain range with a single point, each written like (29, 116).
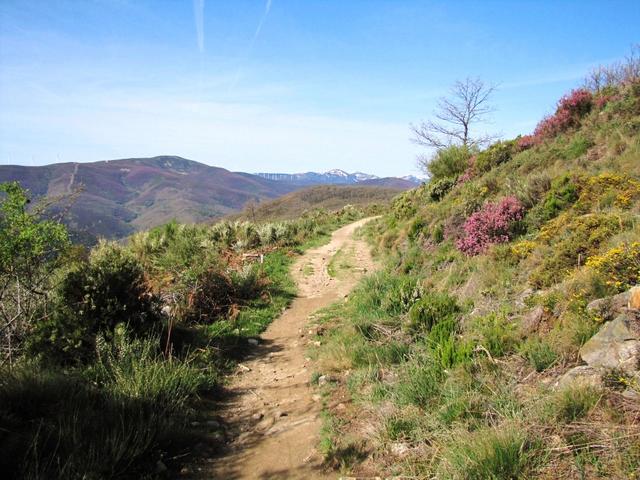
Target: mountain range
(338, 177)
(114, 198)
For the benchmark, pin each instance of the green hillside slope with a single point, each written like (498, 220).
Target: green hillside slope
(479, 350)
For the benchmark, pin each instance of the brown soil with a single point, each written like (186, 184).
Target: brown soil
(271, 415)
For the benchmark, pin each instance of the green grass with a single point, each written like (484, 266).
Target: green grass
(341, 263)
(490, 454)
(113, 420)
(540, 354)
(572, 403)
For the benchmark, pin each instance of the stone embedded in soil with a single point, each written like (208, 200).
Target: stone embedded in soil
(253, 341)
(609, 307)
(257, 416)
(614, 346)
(532, 320)
(583, 375)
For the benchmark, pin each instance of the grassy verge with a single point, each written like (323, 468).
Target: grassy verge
(432, 398)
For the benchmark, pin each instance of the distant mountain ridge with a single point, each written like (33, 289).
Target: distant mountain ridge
(338, 177)
(122, 196)
(119, 197)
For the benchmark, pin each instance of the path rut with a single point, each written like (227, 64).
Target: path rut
(270, 409)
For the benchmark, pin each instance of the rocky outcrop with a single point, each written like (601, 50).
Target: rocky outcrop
(610, 307)
(532, 320)
(615, 346)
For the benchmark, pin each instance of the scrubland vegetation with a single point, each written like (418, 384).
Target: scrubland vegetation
(108, 353)
(450, 354)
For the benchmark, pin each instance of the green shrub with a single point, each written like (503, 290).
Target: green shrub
(92, 299)
(416, 228)
(438, 234)
(437, 189)
(539, 353)
(497, 333)
(449, 162)
(384, 295)
(496, 154)
(577, 147)
(563, 194)
(429, 310)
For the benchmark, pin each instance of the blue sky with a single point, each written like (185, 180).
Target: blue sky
(281, 85)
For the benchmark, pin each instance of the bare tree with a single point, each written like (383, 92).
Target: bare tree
(618, 73)
(467, 105)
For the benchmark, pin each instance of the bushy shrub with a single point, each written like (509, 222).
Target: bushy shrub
(437, 189)
(491, 225)
(449, 162)
(619, 266)
(569, 242)
(608, 190)
(570, 110)
(93, 298)
(429, 310)
(563, 194)
(495, 332)
(499, 152)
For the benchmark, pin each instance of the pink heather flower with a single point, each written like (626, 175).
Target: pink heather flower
(571, 108)
(490, 225)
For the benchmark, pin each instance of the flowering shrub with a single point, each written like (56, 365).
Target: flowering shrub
(571, 108)
(608, 189)
(470, 172)
(525, 142)
(490, 225)
(620, 265)
(568, 240)
(523, 249)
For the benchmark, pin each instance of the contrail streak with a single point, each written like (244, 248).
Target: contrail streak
(198, 14)
(267, 8)
(263, 18)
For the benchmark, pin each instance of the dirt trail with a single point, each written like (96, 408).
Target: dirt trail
(271, 411)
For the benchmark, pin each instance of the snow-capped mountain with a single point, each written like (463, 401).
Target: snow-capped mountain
(334, 176)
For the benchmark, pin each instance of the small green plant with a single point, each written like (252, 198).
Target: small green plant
(539, 353)
(421, 382)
